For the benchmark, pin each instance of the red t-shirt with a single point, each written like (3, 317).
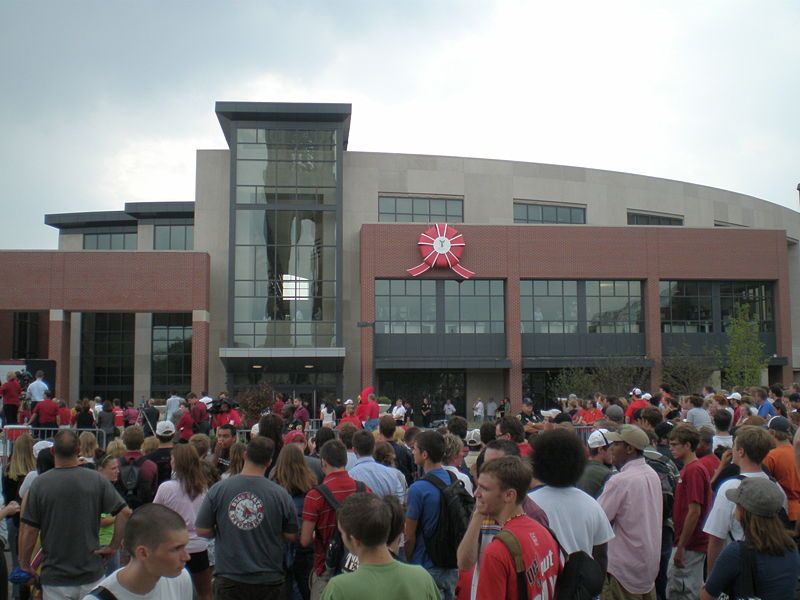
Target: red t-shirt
(633, 407)
(119, 417)
(10, 392)
(694, 487)
(498, 578)
(352, 419)
(184, 426)
(227, 418)
(199, 412)
(591, 415)
(362, 411)
(524, 449)
(316, 510)
(64, 416)
(47, 410)
(710, 463)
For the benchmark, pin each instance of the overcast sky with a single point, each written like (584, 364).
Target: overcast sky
(105, 102)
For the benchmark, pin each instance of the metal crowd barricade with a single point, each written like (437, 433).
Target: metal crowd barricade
(10, 433)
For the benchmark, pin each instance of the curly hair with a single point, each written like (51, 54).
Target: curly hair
(558, 458)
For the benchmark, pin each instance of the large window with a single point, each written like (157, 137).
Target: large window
(614, 307)
(107, 350)
(635, 218)
(686, 306)
(549, 306)
(474, 306)
(405, 209)
(173, 237)
(437, 386)
(26, 335)
(109, 241)
(171, 366)
(756, 295)
(405, 306)
(529, 212)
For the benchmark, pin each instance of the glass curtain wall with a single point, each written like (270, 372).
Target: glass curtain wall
(107, 351)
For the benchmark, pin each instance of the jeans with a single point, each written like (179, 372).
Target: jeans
(445, 580)
(666, 552)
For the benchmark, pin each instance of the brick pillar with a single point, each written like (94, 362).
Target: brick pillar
(58, 350)
(200, 341)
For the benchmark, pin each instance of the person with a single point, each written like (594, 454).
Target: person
(63, 508)
(299, 439)
(399, 413)
(36, 389)
(478, 411)
(156, 540)
(119, 415)
(765, 407)
(105, 422)
(782, 464)
(512, 428)
(632, 502)
(301, 414)
(146, 481)
(84, 416)
(130, 414)
(425, 410)
(350, 416)
(502, 487)
(162, 456)
(576, 519)
(385, 455)
(705, 454)
(367, 523)
(722, 430)
(64, 417)
(696, 415)
(292, 474)
(108, 467)
(89, 451)
(327, 414)
(319, 517)
(589, 414)
(186, 424)
(172, 405)
(767, 556)
(338, 409)
(449, 409)
(199, 413)
(226, 437)
(691, 506)
(452, 459)
(750, 447)
(374, 475)
(526, 415)
(491, 409)
(21, 463)
(149, 418)
(236, 457)
(45, 412)
(10, 391)
(250, 517)
(598, 467)
(422, 513)
(403, 457)
(184, 494)
(637, 403)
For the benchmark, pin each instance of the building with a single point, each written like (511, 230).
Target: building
(292, 265)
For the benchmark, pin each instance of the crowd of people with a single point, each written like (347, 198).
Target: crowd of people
(643, 497)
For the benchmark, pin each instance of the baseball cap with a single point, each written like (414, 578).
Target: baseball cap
(41, 445)
(780, 424)
(598, 439)
(551, 414)
(527, 401)
(735, 396)
(254, 430)
(294, 437)
(474, 438)
(757, 495)
(615, 413)
(348, 402)
(647, 396)
(635, 392)
(663, 429)
(165, 428)
(630, 434)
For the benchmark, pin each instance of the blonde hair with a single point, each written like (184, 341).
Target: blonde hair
(116, 448)
(11, 375)
(149, 444)
(22, 459)
(88, 444)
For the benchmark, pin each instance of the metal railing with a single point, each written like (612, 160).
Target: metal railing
(10, 433)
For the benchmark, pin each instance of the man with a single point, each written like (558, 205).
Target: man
(750, 447)
(199, 414)
(632, 502)
(162, 456)
(477, 411)
(379, 478)
(692, 503)
(402, 455)
(782, 465)
(449, 409)
(526, 416)
(576, 519)
(648, 418)
(221, 457)
(62, 507)
(722, 430)
(346, 433)
(172, 405)
(369, 412)
(138, 476)
(452, 459)
(365, 522)
(637, 402)
(155, 539)
(696, 415)
(665, 390)
(765, 408)
(36, 389)
(615, 415)
(422, 514)
(511, 428)
(705, 454)
(350, 416)
(502, 486)
(301, 413)
(45, 412)
(491, 409)
(250, 517)
(598, 467)
(319, 517)
(206, 399)
(149, 418)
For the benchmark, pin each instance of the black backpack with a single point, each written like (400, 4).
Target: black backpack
(338, 558)
(129, 483)
(455, 511)
(668, 476)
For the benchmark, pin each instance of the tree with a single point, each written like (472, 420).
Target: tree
(745, 354)
(576, 381)
(254, 400)
(687, 373)
(617, 376)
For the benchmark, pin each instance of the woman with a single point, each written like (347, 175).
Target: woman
(385, 455)
(766, 564)
(271, 426)
(88, 448)
(105, 421)
(227, 415)
(399, 413)
(295, 477)
(116, 448)
(184, 494)
(108, 467)
(10, 392)
(327, 414)
(64, 416)
(84, 417)
(22, 462)
(237, 460)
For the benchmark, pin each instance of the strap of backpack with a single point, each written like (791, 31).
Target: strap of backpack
(102, 593)
(328, 495)
(512, 544)
(440, 485)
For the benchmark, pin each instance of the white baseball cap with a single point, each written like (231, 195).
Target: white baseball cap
(165, 428)
(635, 392)
(735, 396)
(598, 439)
(647, 396)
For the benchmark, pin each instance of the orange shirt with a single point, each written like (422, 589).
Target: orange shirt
(783, 466)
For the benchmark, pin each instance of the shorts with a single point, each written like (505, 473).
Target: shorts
(198, 562)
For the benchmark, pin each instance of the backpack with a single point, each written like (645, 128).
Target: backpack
(668, 476)
(129, 483)
(455, 511)
(338, 558)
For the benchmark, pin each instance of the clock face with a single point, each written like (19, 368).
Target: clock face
(441, 244)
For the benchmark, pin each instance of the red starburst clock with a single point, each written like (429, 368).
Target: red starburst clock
(441, 246)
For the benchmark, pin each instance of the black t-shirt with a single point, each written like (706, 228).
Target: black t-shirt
(84, 420)
(525, 418)
(150, 416)
(162, 457)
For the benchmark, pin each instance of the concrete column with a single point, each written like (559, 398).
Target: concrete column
(58, 349)
(783, 313)
(652, 328)
(75, 358)
(200, 340)
(142, 355)
(513, 329)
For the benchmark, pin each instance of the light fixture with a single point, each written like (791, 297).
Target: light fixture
(257, 366)
(309, 366)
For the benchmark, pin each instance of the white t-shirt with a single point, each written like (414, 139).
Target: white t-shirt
(575, 517)
(449, 409)
(477, 410)
(462, 477)
(722, 440)
(398, 412)
(167, 588)
(171, 494)
(721, 521)
(327, 416)
(26, 483)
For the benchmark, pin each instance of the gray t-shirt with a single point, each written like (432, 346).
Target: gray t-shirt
(249, 516)
(699, 417)
(65, 505)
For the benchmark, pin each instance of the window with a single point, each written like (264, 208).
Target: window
(614, 307)
(171, 354)
(107, 350)
(474, 306)
(109, 241)
(405, 209)
(173, 237)
(549, 306)
(26, 335)
(756, 295)
(527, 212)
(635, 218)
(686, 306)
(405, 306)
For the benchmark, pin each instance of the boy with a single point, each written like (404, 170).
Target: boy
(155, 538)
